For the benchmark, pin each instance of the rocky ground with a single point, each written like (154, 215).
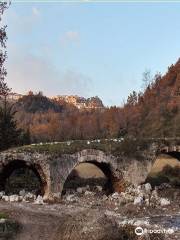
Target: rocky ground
(90, 214)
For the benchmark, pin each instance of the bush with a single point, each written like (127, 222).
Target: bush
(3, 215)
(173, 174)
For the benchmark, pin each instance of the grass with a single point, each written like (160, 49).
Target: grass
(126, 147)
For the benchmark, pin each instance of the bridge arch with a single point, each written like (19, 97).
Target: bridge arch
(164, 163)
(106, 163)
(104, 179)
(14, 165)
(36, 163)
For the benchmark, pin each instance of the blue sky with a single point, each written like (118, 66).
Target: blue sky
(89, 48)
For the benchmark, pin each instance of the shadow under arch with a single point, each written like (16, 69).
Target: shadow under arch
(13, 165)
(173, 154)
(164, 166)
(104, 167)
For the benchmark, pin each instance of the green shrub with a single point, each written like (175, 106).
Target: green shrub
(3, 215)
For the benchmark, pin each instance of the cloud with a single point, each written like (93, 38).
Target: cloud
(29, 72)
(70, 37)
(21, 23)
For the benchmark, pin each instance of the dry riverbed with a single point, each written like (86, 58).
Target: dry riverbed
(87, 215)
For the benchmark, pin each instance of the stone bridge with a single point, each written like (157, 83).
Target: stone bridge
(121, 161)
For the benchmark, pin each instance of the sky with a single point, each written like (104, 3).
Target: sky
(88, 48)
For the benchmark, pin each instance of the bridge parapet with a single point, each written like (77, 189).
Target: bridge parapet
(168, 149)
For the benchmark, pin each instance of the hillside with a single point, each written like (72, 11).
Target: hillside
(156, 112)
(37, 103)
(80, 102)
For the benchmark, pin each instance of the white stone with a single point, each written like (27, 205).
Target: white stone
(83, 189)
(29, 197)
(138, 200)
(88, 193)
(148, 187)
(2, 220)
(39, 200)
(70, 198)
(141, 223)
(147, 202)
(5, 198)
(154, 194)
(99, 188)
(14, 198)
(22, 192)
(138, 189)
(115, 195)
(2, 193)
(80, 190)
(164, 202)
(104, 198)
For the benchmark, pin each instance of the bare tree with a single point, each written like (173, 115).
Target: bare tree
(4, 90)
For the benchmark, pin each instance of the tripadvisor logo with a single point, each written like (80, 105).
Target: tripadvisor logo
(140, 231)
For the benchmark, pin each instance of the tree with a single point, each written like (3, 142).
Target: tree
(147, 80)
(9, 134)
(4, 90)
(25, 137)
(132, 99)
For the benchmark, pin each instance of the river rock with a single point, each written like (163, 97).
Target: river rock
(148, 188)
(5, 198)
(39, 200)
(83, 189)
(104, 198)
(22, 193)
(99, 188)
(89, 193)
(71, 198)
(138, 201)
(115, 195)
(2, 193)
(14, 198)
(80, 190)
(29, 197)
(164, 202)
(154, 195)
